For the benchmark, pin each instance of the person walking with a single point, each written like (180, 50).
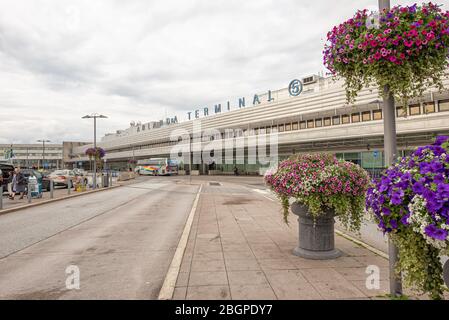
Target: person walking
(18, 184)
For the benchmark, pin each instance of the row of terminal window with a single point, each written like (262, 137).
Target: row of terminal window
(412, 110)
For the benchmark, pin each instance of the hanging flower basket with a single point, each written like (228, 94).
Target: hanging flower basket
(407, 49)
(411, 203)
(322, 187)
(97, 153)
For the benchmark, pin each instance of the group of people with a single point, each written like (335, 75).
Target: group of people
(16, 182)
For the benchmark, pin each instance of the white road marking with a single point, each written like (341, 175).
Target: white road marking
(168, 288)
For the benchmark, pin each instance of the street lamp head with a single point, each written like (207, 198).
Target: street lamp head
(93, 116)
(43, 140)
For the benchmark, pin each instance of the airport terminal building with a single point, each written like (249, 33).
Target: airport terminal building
(309, 115)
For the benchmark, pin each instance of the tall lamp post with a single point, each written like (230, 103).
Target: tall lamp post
(11, 154)
(95, 116)
(43, 151)
(390, 149)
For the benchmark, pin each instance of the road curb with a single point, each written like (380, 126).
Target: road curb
(363, 244)
(40, 203)
(168, 287)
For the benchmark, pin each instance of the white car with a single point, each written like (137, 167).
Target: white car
(61, 177)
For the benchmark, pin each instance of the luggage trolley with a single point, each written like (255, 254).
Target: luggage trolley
(35, 187)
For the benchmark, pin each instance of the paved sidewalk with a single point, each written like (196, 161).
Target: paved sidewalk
(239, 248)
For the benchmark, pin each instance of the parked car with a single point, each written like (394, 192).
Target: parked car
(61, 178)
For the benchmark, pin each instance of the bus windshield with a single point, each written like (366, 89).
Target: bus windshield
(157, 166)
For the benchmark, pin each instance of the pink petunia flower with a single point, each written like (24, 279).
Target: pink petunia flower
(408, 44)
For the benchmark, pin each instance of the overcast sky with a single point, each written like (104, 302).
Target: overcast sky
(142, 60)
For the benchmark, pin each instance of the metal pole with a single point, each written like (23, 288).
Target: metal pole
(29, 192)
(95, 159)
(52, 188)
(43, 154)
(190, 158)
(390, 149)
(69, 185)
(1, 197)
(11, 151)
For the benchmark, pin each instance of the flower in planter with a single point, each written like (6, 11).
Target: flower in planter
(407, 51)
(321, 181)
(411, 203)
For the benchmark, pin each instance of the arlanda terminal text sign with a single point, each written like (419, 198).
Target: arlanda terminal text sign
(295, 89)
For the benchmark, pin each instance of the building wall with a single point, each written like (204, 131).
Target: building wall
(33, 155)
(71, 158)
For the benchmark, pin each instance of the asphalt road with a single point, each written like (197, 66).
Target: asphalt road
(121, 240)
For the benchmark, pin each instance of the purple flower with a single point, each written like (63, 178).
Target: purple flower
(383, 187)
(404, 219)
(394, 224)
(418, 188)
(435, 232)
(445, 211)
(438, 179)
(436, 166)
(443, 189)
(419, 152)
(433, 205)
(397, 197)
(437, 150)
(441, 139)
(424, 168)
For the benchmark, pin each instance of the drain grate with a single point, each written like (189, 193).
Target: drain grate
(214, 183)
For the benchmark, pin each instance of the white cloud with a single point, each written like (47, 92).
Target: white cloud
(141, 60)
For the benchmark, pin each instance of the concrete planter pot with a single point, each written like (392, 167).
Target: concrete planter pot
(316, 236)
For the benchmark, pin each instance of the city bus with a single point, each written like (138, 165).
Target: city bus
(157, 167)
